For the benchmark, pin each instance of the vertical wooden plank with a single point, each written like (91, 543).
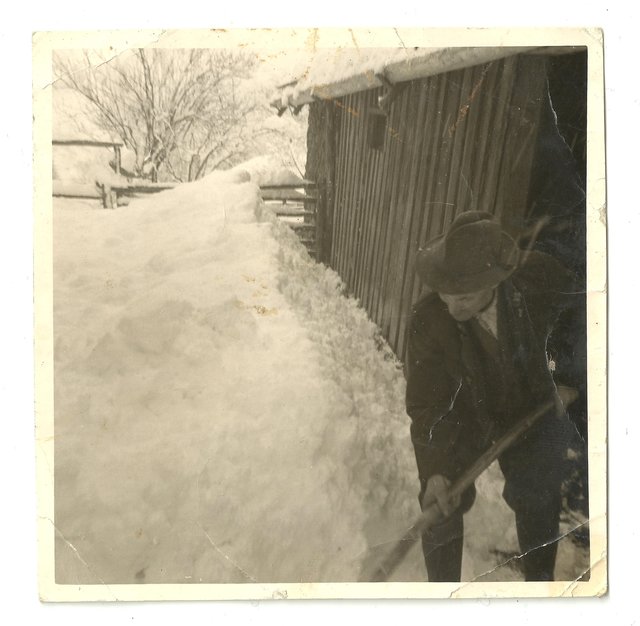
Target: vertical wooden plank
(361, 176)
(354, 203)
(380, 181)
(391, 173)
(338, 182)
(341, 181)
(327, 187)
(372, 158)
(529, 92)
(352, 164)
(396, 116)
(346, 132)
(379, 173)
(498, 137)
(330, 188)
(350, 157)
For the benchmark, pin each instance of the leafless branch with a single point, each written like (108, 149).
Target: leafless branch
(169, 105)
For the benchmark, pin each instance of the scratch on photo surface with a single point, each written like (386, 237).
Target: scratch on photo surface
(570, 589)
(208, 536)
(395, 30)
(317, 93)
(96, 66)
(573, 584)
(464, 109)
(517, 557)
(466, 182)
(78, 555)
(226, 556)
(449, 409)
(353, 38)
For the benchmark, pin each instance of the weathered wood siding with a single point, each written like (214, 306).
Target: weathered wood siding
(454, 142)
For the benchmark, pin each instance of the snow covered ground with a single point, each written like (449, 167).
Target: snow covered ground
(223, 413)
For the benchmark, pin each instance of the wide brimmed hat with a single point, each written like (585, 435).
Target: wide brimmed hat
(474, 254)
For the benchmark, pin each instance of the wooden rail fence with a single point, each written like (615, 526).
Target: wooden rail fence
(109, 194)
(294, 204)
(296, 208)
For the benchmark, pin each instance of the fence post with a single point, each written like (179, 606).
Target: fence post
(109, 196)
(118, 155)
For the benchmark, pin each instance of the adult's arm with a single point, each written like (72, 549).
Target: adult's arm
(557, 305)
(550, 288)
(430, 399)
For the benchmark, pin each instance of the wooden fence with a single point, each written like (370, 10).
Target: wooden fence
(296, 205)
(110, 194)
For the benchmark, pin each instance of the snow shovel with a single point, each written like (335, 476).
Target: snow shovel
(432, 513)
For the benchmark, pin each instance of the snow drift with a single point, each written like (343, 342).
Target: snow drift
(202, 433)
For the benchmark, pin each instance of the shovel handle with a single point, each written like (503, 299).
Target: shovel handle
(432, 513)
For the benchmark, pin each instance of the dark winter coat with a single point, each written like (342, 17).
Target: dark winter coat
(460, 396)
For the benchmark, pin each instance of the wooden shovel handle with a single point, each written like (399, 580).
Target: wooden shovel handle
(432, 513)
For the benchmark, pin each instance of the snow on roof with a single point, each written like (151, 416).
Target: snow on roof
(267, 169)
(340, 71)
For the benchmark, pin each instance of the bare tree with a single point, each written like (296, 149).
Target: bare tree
(181, 112)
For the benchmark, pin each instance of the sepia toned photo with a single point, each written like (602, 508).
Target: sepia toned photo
(320, 314)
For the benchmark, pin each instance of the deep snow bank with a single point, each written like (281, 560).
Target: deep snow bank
(354, 357)
(199, 436)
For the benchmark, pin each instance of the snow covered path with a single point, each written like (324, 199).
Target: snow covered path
(223, 413)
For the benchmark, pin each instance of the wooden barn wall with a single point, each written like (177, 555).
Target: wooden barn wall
(454, 142)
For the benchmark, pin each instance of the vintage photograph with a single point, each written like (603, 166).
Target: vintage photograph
(322, 314)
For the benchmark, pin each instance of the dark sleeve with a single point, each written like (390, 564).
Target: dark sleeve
(557, 305)
(431, 394)
(550, 288)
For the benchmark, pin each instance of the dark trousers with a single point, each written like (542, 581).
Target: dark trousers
(533, 471)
